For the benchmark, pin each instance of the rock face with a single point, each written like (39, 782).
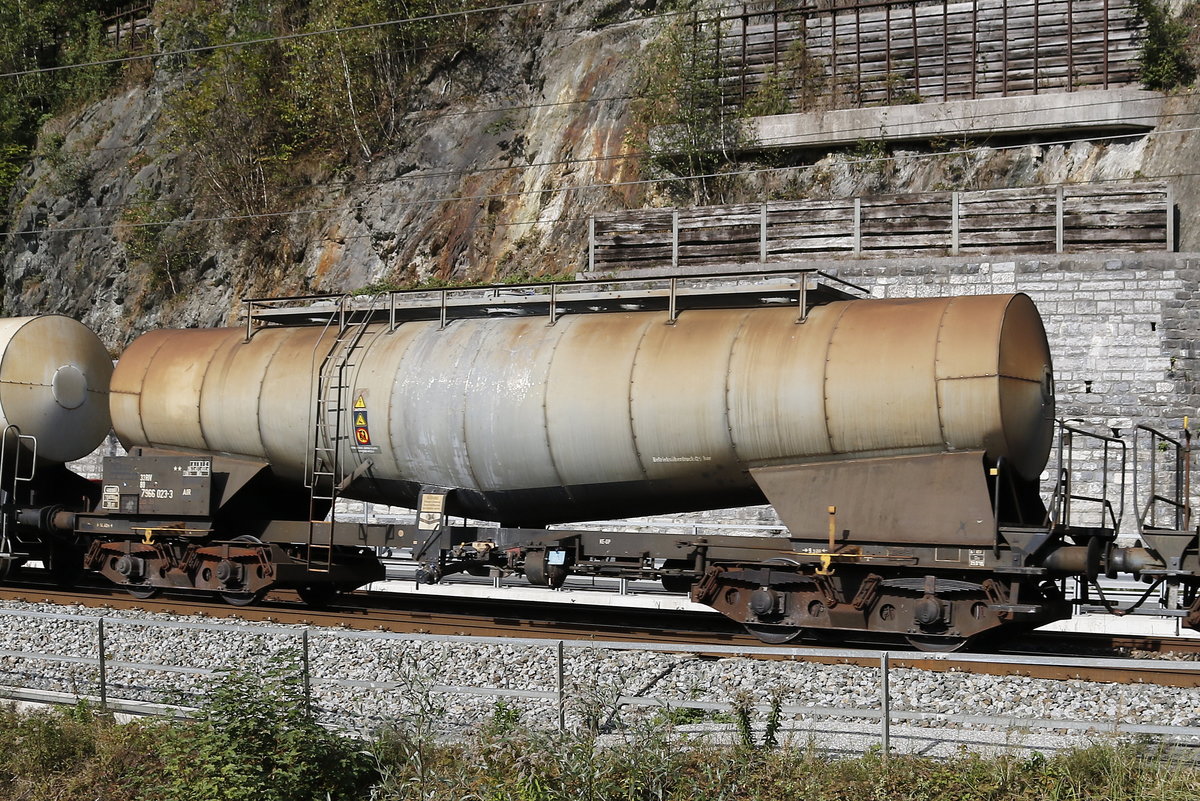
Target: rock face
(498, 166)
(498, 179)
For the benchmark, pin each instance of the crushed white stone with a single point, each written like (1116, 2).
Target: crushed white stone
(423, 680)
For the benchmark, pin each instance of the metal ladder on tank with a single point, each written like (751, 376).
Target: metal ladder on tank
(11, 478)
(325, 467)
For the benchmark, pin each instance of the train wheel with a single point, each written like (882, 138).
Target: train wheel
(773, 635)
(538, 570)
(934, 643)
(142, 592)
(318, 596)
(241, 598)
(235, 598)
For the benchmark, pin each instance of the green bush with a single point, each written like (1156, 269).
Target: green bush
(70, 752)
(255, 741)
(1165, 61)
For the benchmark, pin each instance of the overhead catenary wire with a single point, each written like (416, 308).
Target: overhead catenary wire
(467, 112)
(843, 133)
(271, 39)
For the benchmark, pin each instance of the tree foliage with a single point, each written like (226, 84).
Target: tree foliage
(681, 114)
(39, 35)
(254, 118)
(1165, 61)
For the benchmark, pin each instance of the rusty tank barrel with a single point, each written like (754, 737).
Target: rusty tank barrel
(607, 414)
(54, 375)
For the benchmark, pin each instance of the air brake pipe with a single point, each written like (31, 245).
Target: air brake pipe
(1073, 559)
(1132, 560)
(49, 519)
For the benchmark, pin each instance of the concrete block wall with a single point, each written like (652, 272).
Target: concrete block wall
(92, 465)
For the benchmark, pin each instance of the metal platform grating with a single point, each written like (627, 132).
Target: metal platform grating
(800, 288)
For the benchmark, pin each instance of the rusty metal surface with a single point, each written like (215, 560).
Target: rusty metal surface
(284, 405)
(886, 499)
(1026, 387)
(880, 388)
(584, 387)
(54, 377)
(230, 420)
(612, 414)
(177, 376)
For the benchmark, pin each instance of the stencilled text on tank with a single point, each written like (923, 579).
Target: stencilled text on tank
(679, 459)
(153, 492)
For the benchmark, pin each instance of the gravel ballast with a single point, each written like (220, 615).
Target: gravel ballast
(167, 659)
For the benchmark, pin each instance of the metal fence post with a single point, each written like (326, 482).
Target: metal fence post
(305, 674)
(955, 222)
(675, 238)
(562, 707)
(886, 704)
(762, 234)
(858, 225)
(103, 665)
(1059, 233)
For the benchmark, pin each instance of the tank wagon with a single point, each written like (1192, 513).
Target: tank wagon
(54, 376)
(902, 443)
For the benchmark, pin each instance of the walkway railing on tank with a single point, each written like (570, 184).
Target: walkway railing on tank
(801, 286)
(1168, 460)
(1103, 450)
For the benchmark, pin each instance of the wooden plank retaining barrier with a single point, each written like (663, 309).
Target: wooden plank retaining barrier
(1056, 219)
(851, 53)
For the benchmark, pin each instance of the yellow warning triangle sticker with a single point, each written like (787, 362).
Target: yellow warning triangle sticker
(361, 403)
(360, 419)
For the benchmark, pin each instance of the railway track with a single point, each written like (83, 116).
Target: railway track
(1088, 657)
